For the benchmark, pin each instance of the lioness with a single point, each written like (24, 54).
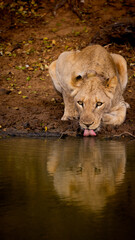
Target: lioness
(92, 82)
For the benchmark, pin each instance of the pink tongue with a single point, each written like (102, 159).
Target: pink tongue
(89, 133)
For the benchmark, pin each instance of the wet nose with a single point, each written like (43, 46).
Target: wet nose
(88, 124)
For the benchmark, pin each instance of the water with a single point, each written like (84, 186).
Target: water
(67, 189)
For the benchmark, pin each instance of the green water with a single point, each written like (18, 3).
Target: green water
(67, 189)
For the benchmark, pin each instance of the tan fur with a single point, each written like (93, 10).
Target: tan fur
(90, 78)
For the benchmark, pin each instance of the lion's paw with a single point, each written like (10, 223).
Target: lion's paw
(64, 118)
(68, 117)
(108, 119)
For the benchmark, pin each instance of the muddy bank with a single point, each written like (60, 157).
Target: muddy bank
(29, 105)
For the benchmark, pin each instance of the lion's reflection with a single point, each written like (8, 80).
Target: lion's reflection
(86, 171)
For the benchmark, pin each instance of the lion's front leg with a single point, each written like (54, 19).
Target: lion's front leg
(70, 111)
(117, 114)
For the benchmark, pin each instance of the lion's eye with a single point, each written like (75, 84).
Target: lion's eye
(80, 103)
(98, 104)
(79, 77)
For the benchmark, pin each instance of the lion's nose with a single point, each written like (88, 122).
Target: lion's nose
(88, 124)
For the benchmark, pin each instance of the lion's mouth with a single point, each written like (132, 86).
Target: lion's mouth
(88, 132)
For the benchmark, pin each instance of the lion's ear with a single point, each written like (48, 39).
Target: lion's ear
(76, 81)
(111, 85)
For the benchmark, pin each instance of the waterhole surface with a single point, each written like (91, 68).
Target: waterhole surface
(67, 189)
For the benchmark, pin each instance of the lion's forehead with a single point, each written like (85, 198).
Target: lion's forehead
(96, 96)
(92, 96)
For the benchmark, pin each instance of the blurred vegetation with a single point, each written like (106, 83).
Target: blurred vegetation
(82, 8)
(25, 7)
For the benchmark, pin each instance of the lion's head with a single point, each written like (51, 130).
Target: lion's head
(93, 96)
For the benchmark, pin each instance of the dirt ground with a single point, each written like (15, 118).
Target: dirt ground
(29, 41)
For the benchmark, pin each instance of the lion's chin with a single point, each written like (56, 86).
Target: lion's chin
(88, 132)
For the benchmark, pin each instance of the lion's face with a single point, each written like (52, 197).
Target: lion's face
(92, 101)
